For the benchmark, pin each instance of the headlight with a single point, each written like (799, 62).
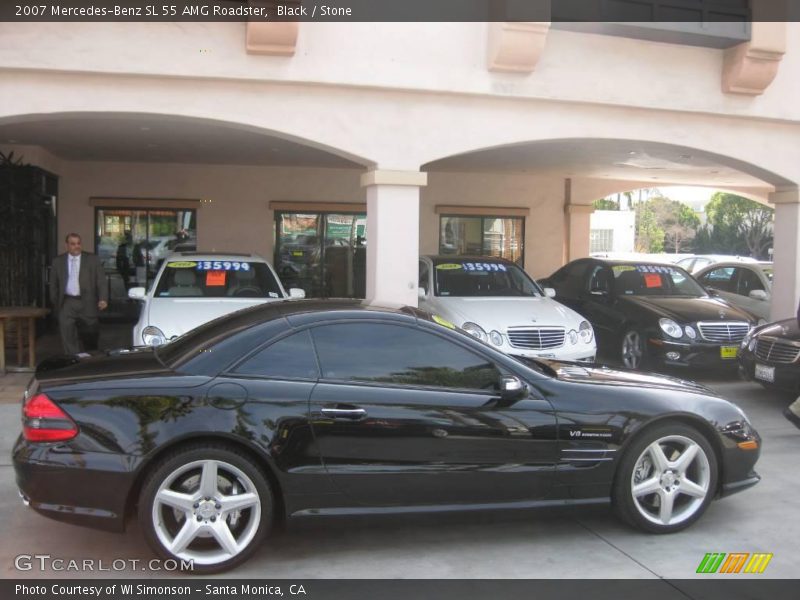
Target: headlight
(573, 336)
(746, 339)
(670, 327)
(474, 330)
(585, 332)
(153, 336)
(496, 338)
(761, 322)
(690, 332)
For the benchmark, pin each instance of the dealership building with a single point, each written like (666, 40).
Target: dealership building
(343, 151)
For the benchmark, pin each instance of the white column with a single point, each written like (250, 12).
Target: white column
(786, 252)
(393, 235)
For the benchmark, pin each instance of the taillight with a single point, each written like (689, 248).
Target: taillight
(44, 421)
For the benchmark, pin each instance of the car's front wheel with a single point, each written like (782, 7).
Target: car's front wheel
(208, 506)
(632, 352)
(666, 479)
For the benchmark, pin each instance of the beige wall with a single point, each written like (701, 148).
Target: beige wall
(235, 214)
(544, 197)
(438, 57)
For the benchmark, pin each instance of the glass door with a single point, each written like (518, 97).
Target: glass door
(322, 253)
(132, 243)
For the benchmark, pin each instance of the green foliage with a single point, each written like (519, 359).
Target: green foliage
(736, 225)
(665, 225)
(606, 204)
(649, 236)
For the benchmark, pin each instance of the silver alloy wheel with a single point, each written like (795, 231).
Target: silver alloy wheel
(632, 350)
(670, 480)
(221, 525)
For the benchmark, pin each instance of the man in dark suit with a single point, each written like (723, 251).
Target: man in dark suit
(78, 290)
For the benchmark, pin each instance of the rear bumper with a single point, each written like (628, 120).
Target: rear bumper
(82, 488)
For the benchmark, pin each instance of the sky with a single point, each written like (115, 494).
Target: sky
(696, 197)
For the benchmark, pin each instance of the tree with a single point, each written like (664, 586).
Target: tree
(649, 236)
(606, 204)
(736, 225)
(667, 225)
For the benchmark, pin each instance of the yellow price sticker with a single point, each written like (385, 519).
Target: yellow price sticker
(182, 264)
(443, 322)
(448, 266)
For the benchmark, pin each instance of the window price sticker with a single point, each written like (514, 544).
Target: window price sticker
(471, 266)
(222, 265)
(215, 278)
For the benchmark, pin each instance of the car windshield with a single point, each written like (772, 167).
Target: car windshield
(654, 280)
(217, 279)
(483, 277)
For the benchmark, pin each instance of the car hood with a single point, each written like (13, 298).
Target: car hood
(788, 329)
(603, 375)
(176, 316)
(687, 310)
(502, 312)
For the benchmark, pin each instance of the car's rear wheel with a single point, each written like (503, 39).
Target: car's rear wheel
(666, 479)
(207, 505)
(633, 352)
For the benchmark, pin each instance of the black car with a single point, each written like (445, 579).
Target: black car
(770, 355)
(648, 315)
(309, 408)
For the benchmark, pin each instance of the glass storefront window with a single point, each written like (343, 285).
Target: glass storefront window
(322, 253)
(483, 236)
(132, 243)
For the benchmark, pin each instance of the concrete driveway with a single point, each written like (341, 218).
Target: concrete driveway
(575, 543)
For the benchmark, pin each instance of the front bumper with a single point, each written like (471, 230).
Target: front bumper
(82, 488)
(691, 354)
(585, 353)
(786, 376)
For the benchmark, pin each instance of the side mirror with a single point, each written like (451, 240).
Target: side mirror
(422, 292)
(712, 292)
(297, 293)
(511, 388)
(549, 292)
(758, 295)
(137, 293)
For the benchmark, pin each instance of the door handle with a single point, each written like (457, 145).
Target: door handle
(345, 413)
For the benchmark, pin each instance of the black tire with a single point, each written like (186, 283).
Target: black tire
(633, 350)
(220, 535)
(676, 487)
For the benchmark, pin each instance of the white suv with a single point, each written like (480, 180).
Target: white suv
(497, 302)
(192, 288)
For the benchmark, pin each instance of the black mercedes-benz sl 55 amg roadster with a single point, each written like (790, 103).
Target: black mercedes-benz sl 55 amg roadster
(339, 407)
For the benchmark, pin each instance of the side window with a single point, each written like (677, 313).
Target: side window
(291, 357)
(720, 279)
(423, 276)
(378, 352)
(600, 280)
(747, 282)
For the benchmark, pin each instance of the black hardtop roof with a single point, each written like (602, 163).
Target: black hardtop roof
(294, 310)
(621, 261)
